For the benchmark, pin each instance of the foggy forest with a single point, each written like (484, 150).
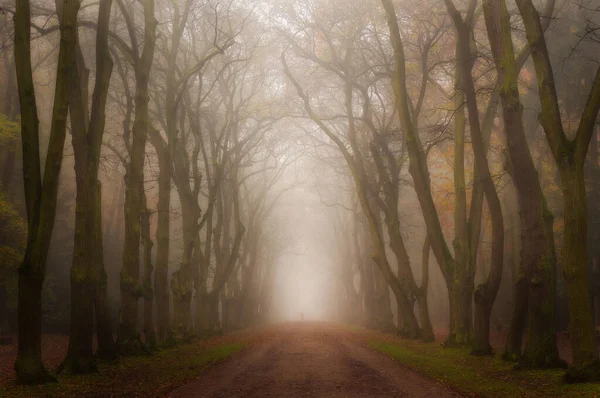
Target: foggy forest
(281, 198)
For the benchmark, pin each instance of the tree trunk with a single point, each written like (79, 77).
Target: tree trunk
(182, 281)
(129, 337)
(570, 157)
(485, 293)
(514, 340)
(161, 273)
(538, 259)
(574, 266)
(209, 311)
(79, 358)
(149, 333)
(87, 132)
(422, 294)
(460, 289)
(104, 330)
(40, 203)
(130, 273)
(385, 318)
(418, 163)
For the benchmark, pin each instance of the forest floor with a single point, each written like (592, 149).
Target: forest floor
(298, 359)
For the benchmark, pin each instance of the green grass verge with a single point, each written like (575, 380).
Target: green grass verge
(138, 376)
(480, 376)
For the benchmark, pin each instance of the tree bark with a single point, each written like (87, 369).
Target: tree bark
(149, 333)
(161, 273)
(87, 132)
(129, 338)
(40, 203)
(485, 293)
(537, 249)
(107, 349)
(570, 158)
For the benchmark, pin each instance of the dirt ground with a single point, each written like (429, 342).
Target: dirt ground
(314, 360)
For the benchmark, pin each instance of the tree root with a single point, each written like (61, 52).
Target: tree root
(482, 351)
(132, 346)
(77, 366)
(587, 374)
(32, 372)
(549, 362)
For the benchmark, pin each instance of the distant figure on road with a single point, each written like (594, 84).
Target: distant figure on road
(302, 316)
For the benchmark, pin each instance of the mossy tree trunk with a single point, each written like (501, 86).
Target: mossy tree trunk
(536, 277)
(87, 268)
(131, 290)
(390, 186)
(569, 155)
(458, 276)
(104, 323)
(485, 293)
(161, 273)
(40, 192)
(460, 290)
(366, 274)
(148, 292)
(182, 281)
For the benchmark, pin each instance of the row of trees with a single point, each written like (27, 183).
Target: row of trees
(187, 103)
(400, 89)
(191, 95)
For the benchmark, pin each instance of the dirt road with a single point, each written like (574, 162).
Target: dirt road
(311, 360)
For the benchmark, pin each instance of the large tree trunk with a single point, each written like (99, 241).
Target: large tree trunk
(514, 340)
(418, 164)
(384, 315)
(129, 337)
(367, 283)
(182, 281)
(574, 266)
(79, 356)
(535, 279)
(104, 330)
(460, 290)
(161, 273)
(570, 157)
(149, 333)
(87, 134)
(40, 203)
(422, 294)
(130, 273)
(485, 294)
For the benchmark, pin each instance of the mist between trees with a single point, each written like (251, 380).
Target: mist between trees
(171, 169)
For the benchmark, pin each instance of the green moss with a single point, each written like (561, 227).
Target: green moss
(480, 376)
(140, 376)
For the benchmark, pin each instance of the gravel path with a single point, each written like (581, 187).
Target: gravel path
(314, 360)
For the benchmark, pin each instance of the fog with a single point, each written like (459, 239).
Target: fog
(203, 166)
